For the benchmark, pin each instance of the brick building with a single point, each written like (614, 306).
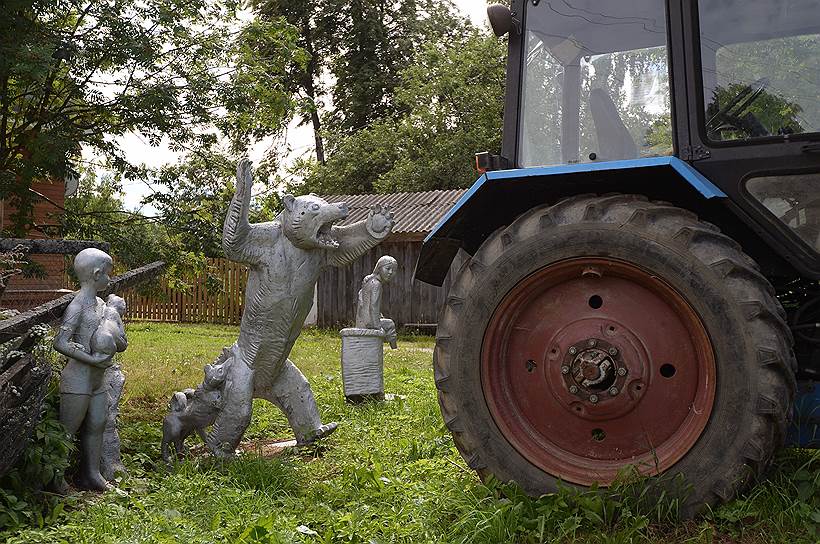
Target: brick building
(23, 293)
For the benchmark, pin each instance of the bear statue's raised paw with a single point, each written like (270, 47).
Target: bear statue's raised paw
(380, 220)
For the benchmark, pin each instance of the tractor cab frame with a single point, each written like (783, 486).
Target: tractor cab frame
(694, 72)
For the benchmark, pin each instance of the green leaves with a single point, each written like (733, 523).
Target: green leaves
(164, 68)
(43, 462)
(450, 102)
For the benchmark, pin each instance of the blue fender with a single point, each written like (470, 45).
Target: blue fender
(498, 197)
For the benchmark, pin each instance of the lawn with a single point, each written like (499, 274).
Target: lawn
(389, 474)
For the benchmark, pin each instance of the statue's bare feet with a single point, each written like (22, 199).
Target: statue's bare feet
(92, 482)
(319, 433)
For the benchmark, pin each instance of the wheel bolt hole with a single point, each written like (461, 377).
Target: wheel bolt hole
(598, 435)
(530, 365)
(667, 370)
(638, 387)
(595, 302)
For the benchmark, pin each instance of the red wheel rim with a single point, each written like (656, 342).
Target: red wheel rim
(592, 364)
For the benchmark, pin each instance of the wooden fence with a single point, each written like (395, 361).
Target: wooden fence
(199, 304)
(406, 301)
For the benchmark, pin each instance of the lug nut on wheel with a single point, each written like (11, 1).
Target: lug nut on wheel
(613, 351)
(613, 391)
(573, 389)
(564, 370)
(573, 351)
(593, 399)
(592, 342)
(622, 371)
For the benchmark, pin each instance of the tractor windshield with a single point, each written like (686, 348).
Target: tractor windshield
(761, 68)
(595, 82)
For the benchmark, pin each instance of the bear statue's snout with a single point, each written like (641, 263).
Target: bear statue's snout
(343, 209)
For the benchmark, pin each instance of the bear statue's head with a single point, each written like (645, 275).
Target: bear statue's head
(307, 221)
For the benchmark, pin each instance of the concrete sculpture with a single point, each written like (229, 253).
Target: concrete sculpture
(110, 459)
(284, 257)
(362, 345)
(194, 410)
(90, 334)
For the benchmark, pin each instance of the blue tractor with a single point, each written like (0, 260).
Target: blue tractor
(642, 259)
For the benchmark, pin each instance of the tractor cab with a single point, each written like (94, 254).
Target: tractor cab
(732, 87)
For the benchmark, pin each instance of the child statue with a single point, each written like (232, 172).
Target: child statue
(369, 301)
(87, 324)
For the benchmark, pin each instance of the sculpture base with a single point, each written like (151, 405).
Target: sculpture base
(362, 364)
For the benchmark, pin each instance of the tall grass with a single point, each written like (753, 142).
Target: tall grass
(389, 474)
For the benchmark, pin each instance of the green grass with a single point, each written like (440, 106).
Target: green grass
(389, 474)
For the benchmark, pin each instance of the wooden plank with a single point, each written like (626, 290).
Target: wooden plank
(53, 310)
(44, 247)
(233, 294)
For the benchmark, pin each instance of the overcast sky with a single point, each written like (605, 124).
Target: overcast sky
(300, 139)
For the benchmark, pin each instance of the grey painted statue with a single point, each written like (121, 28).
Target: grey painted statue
(362, 345)
(193, 410)
(90, 334)
(369, 301)
(285, 257)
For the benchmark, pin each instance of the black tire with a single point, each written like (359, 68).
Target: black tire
(754, 360)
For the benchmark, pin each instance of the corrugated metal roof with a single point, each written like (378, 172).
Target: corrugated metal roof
(413, 212)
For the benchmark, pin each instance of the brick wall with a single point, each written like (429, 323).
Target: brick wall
(23, 293)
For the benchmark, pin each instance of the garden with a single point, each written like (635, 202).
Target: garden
(230, 161)
(389, 474)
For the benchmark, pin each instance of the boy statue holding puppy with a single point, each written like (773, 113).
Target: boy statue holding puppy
(90, 334)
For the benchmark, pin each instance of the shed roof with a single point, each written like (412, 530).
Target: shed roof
(413, 212)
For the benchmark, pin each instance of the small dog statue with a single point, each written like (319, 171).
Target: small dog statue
(192, 410)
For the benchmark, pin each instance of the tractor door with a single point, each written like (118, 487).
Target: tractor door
(753, 99)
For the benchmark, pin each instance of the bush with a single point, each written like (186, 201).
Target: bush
(23, 499)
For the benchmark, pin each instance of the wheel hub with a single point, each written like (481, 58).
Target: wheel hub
(592, 366)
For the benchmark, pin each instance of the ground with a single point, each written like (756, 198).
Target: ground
(389, 474)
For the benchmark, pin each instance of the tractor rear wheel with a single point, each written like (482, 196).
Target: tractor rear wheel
(604, 332)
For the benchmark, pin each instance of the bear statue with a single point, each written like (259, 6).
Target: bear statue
(284, 258)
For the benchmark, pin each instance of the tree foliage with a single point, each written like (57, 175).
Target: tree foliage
(77, 74)
(96, 212)
(451, 104)
(357, 50)
(379, 40)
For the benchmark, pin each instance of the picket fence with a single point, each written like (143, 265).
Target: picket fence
(198, 304)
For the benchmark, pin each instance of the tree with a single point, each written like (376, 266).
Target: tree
(364, 45)
(316, 22)
(77, 74)
(378, 40)
(96, 212)
(452, 104)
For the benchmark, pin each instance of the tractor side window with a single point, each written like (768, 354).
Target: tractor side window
(794, 200)
(595, 84)
(760, 62)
